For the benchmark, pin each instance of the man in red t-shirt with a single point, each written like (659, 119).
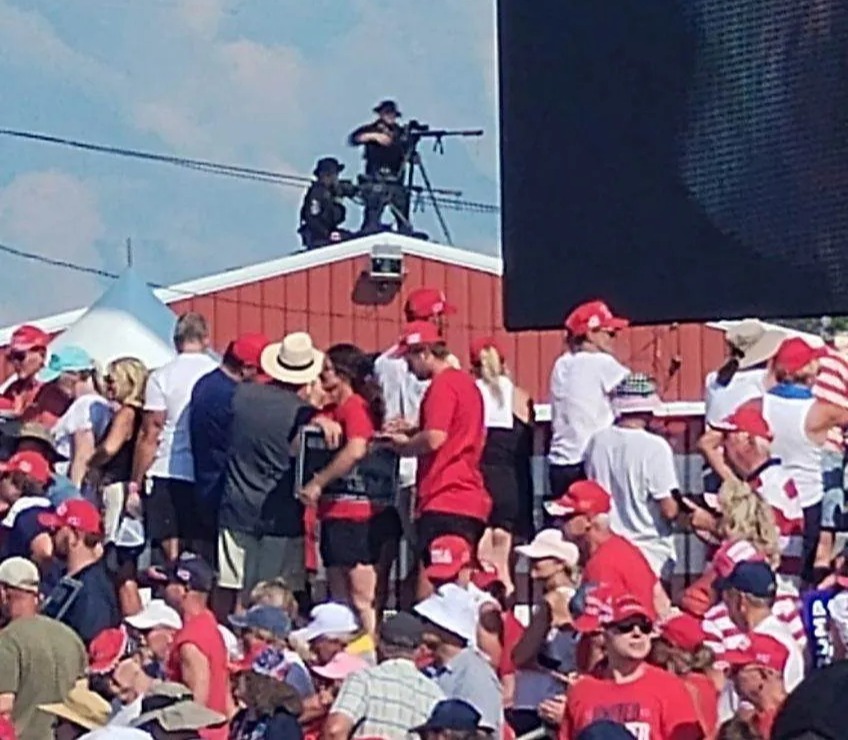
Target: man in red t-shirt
(26, 354)
(608, 558)
(451, 496)
(198, 655)
(649, 702)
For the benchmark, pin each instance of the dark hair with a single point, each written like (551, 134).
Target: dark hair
(737, 729)
(352, 364)
(27, 485)
(230, 360)
(729, 369)
(267, 695)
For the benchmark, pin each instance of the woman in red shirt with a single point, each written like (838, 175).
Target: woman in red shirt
(358, 534)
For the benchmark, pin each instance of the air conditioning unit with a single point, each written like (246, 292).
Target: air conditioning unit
(386, 263)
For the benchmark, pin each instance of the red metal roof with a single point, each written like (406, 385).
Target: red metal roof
(327, 293)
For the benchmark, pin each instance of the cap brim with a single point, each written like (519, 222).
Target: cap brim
(439, 572)
(46, 375)
(50, 520)
(587, 624)
(616, 323)
(239, 621)
(557, 508)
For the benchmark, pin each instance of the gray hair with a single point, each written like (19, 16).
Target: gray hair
(191, 327)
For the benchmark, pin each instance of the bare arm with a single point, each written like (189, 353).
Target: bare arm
(337, 727)
(669, 508)
(424, 442)
(531, 642)
(822, 417)
(490, 633)
(7, 703)
(83, 450)
(41, 550)
(145, 447)
(194, 668)
(343, 462)
(709, 445)
(120, 432)
(522, 406)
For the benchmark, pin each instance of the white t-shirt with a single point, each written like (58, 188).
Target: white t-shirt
(720, 401)
(169, 389)
(402, 392)
(89, 412)
(637, 468)
(580, 388)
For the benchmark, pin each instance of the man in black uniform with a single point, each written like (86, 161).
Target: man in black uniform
(322, 211)
(385, 159)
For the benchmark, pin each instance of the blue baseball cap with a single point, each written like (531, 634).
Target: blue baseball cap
(755, 579)
(451, 714)
(68, 359)
(604, 729)
(262, 617)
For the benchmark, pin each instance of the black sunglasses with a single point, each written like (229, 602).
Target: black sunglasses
(643, 624)
(17, 356)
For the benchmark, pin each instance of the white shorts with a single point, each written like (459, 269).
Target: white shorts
(244, 560)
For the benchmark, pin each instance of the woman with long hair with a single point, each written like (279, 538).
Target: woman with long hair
(359, 535)
(110, 469)
(505, 463)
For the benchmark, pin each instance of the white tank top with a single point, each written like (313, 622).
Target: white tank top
(800, 458)
(495, 414)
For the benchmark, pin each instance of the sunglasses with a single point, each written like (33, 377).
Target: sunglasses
(17, 356)
(643, 624)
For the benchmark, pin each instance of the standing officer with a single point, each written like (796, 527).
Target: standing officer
(385, 159)
(322, 211)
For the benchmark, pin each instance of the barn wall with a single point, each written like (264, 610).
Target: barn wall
(336, 303)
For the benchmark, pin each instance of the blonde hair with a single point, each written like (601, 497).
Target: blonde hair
(491, 368)
(745, 516)
(274, 593)
(129, 376)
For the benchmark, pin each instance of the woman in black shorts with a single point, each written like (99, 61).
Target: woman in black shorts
(505, 464)
(358, 535)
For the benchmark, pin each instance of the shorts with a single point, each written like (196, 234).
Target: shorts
(502, 484)
(433, 524)
(244, 560)
(170, 511)
(346, 543)
(833, 503)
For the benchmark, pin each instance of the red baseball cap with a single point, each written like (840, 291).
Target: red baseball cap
(593, 316)
(795, 354)
(485, 575)
(32, 464)
(248, 348)
(583, 497)
(625, 606)
(416, 334)
(482, 343)
(76, 514)
(683, 631)
(447, 555)
(28, 337)
(747, 418)
(762, 650)
(732, 552)
(107, 649)
(425, 303)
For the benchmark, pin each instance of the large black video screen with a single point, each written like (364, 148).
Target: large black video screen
(683, 159)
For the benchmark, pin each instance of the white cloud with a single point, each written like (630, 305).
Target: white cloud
(204, 17)
(56, 215)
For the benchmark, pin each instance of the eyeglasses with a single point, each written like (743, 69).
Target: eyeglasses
(644, 625)
(17, 356)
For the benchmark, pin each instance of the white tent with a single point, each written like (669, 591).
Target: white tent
(128, 320)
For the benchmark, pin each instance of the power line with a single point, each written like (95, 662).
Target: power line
(228, 170)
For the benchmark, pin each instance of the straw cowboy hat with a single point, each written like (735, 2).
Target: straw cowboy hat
(753, 342)
(294, 360)
(82, 707)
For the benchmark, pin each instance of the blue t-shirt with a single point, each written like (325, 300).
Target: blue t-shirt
(95, 607)
(61, 489)
(278, 726)
(18, 538)
(210, 423)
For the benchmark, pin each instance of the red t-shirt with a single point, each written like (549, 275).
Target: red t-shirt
(356, 423)
(655, 706)
(622, 566)
(202, 631)
(513, 630)
(705, 695)
(22, 393)
(449, 480)
(47, 406)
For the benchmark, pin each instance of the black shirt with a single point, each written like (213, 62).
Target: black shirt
(95, 607)
(381, 158)
(259, 488)
(321, 213)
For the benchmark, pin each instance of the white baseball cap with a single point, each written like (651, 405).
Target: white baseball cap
(325, 620)
(156, 614)
(453, 609)
(19, 573)
(550, 543)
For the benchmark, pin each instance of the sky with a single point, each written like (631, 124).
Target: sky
(270, 84)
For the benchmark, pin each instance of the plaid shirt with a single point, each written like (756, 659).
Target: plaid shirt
(388, 700)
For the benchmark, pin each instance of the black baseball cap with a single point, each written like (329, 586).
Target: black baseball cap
(451, 714)
(189, 570)
(403, 630)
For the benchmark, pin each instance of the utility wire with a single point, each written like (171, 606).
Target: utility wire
(218, 168)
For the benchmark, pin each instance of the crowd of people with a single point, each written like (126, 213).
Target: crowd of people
(167, 570)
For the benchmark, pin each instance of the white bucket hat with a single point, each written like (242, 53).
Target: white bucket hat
(294, 360)
(550, 543)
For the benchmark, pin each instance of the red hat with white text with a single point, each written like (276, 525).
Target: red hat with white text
(447, 556)
(583, 497)
(593, 316)
(425, 303)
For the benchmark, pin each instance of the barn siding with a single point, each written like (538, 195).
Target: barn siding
(335, 302)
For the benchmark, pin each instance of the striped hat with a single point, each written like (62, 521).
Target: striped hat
(637, 394)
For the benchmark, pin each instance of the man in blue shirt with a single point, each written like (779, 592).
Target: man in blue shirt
(210, 422)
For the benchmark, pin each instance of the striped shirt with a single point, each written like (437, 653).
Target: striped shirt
(832, 380)
(386, 701)
(778, 490)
